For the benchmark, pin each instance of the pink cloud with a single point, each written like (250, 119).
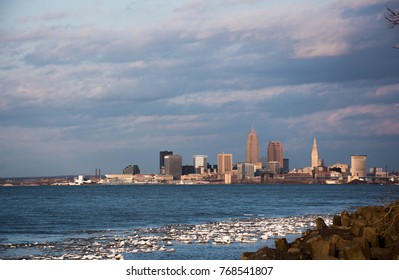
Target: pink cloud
(387, 90)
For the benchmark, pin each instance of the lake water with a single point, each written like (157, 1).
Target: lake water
(166, 221)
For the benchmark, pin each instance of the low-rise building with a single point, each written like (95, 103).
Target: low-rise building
(119, 178)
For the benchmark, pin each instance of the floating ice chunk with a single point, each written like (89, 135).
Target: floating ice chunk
(265, 236)
(119, 257)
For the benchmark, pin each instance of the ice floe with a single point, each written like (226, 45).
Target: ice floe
(250, 229)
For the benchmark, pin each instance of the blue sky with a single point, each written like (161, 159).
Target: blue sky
(105, 84)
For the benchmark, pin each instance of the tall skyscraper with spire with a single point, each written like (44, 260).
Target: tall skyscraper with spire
(315, 154)
(252, 147)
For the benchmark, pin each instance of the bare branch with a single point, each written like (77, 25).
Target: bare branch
(392, 18)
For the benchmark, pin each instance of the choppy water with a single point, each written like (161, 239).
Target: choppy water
(165, 221)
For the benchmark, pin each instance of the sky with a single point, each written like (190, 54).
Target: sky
(88, 84)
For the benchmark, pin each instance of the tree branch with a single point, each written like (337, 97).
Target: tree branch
(392, 17)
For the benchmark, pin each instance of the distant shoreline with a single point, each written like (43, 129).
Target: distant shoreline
(40, 183)
(214, 179)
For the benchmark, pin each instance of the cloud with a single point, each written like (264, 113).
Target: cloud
(219, 98)
(357, 4)
(365, 121)
(195, 76)
(161, 123)
(305, 31)
(386, 90)
(315, 30)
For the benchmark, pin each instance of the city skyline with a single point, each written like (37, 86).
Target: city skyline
(275, 160)
(93, 84)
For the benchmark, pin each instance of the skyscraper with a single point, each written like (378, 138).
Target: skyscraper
(252, 147)
(162, 155)
(173, 166)
(315, 154)
(225, 163)
(200, 163)
(286, 165)
(275, 152)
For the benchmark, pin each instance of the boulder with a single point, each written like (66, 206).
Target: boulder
(294, 250)
(392, 241)
(320, 224)
(337, 220)
(381, 253)
(364, 244)
(320, 249)
(372, 213)
(339, 242)
(345, 219)
(247, 255)
(354, 252)
(371, 236)
(358, 227)
(281, 245)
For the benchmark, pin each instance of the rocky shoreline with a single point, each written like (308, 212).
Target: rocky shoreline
(370, 233)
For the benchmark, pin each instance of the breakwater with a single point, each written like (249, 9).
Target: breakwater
(371, 232)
